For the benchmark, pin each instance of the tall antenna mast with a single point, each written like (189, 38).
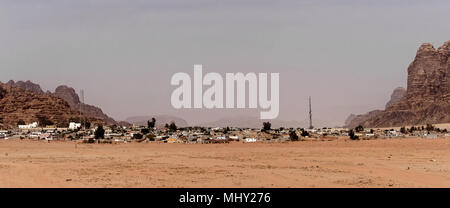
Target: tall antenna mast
(81, 107)
(310, 115)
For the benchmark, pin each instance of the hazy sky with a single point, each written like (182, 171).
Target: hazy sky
(348, 55)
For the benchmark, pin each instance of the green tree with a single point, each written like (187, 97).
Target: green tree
(352, 135)
(267, 126)
(293, 136)
(226, 130)
(151, 137)
(359, 128)
(151, 124)
(304, 133)
(173, 126)
(430, 127)
(403, 130)
(137, 136)
(99, 132)
(145, 131)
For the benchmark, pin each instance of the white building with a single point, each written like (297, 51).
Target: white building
(250, 140)
(29, 126)
(234, 137)
(3, 134)
(73, 125)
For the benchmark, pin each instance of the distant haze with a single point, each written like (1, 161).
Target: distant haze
(349, 56)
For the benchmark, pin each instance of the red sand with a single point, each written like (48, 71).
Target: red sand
(339, 163)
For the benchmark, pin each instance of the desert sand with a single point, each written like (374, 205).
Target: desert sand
(337, 163)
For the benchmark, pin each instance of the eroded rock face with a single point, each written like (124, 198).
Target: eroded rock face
(427, 98)
(428, 75)
(69, 95)
(28, 85)
(355, 120)
(18, 104)
(396, 96)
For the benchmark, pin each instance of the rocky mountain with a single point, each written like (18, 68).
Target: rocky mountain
(354, 120)
(427, 98)
(17, 104)
(396, 96)
(70, 96)
(161, 120)
(28, 85)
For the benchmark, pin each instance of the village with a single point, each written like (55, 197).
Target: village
(170, 133)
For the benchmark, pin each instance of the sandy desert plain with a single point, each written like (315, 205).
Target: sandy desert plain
(336, 163)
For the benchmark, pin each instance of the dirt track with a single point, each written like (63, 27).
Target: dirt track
(340, 163)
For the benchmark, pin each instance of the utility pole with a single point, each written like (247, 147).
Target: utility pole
(310, 115)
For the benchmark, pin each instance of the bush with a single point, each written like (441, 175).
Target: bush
(99, 133)
(359, 128)
(151, 124)
(151, 137)
(293, 136)
(137, 136)
(403, 130)
(267, 126)
(352, 135)
(430, 127)
(173, 127)
(145, 131)
(305, 133)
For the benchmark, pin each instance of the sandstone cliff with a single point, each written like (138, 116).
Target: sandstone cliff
(69, 95)
(427, 98)
(396, 96)
(17, 104)
(28, 85)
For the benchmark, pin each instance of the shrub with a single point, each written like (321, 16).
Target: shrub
(173, 127)
(137, 136)
(305, 133)
(145, 131)
(99, 133)
(359, 128)
(352, 135)
(293, 136)
(267, 126)
(151, 137)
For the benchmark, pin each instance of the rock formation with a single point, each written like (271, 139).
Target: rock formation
(396, 96)
(28, 85)
(354, 120)
(17, 104)
(69, 95)
(427, 98)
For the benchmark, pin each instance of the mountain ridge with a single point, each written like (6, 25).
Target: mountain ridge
(427, 97)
